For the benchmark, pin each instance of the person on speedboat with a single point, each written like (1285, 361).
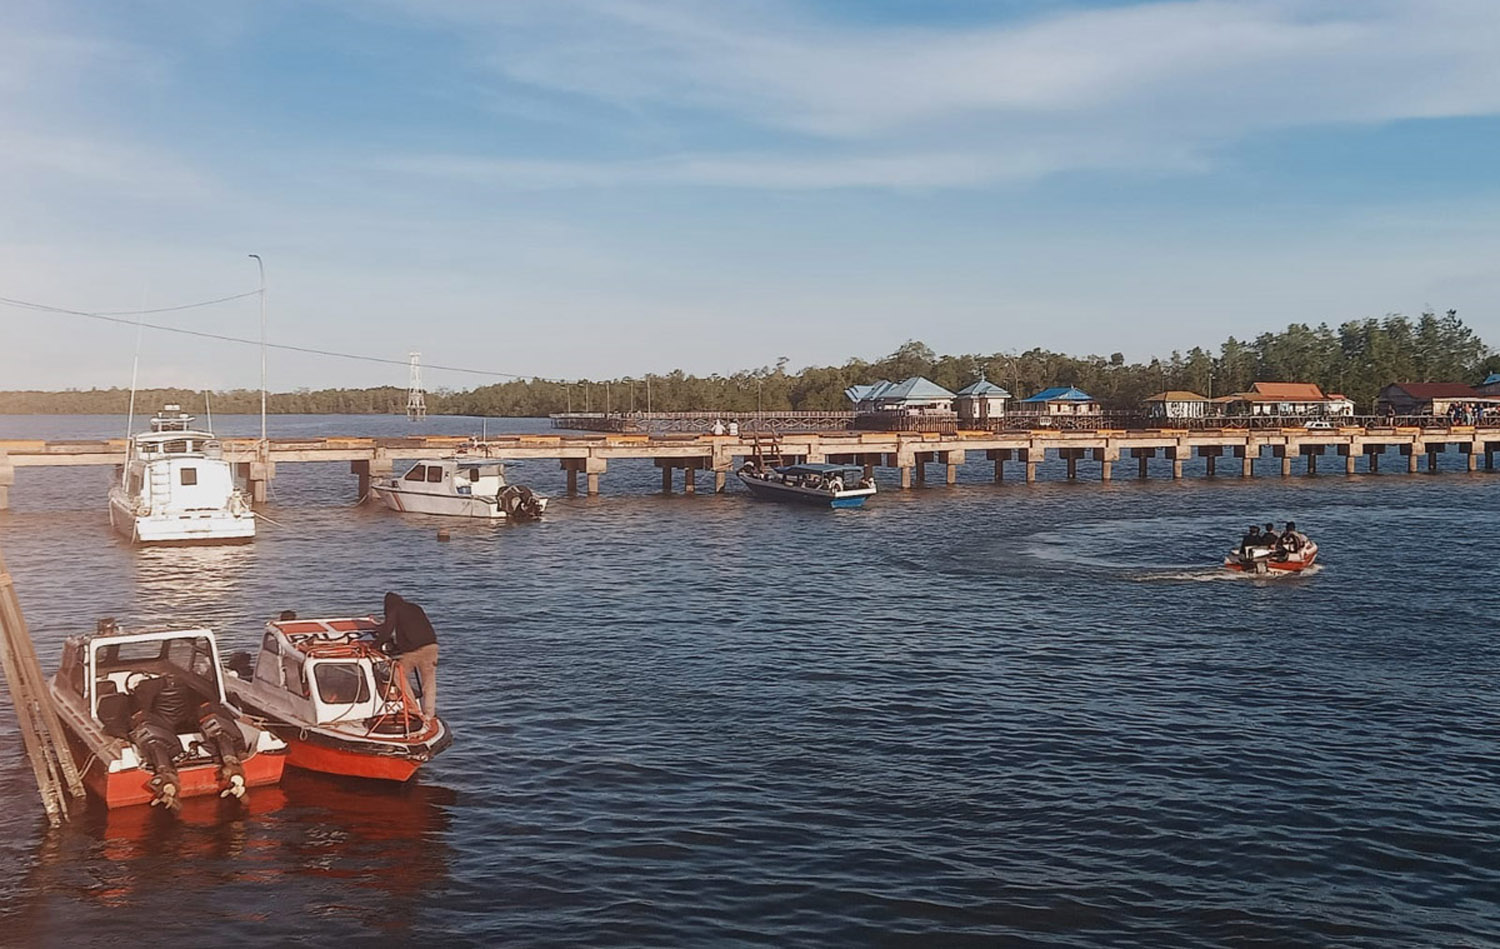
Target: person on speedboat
(1291, 541)
(1251, 540)
(1269, 537)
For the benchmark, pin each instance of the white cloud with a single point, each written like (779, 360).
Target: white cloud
(1157, 85)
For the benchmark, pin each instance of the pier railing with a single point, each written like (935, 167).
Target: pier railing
(702, 423)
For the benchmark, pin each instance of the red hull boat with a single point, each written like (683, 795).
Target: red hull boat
(147, 719)
(325, 688)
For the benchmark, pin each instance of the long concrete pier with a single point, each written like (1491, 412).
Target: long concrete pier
(910, 453)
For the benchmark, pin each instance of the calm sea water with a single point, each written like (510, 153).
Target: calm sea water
(975, 714)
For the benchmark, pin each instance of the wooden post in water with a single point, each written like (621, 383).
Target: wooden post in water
(57, 777)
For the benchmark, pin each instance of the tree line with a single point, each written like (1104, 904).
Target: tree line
(1357, 358)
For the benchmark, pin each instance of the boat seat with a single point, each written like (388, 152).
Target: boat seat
(114, 713)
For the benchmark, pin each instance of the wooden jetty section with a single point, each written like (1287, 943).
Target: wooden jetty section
(911, 453)
(57, 776)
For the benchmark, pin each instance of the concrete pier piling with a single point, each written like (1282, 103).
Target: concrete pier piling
(255, 464)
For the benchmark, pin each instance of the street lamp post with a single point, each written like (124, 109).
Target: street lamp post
(261, 266)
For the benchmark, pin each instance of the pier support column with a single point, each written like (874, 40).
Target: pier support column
(1031, 456)
(1072, 467)
(259, 478)
(1210, 455)
(1286, 465)
(1432, 460)
(1471, 460)
(721, 478)
(999, 470)
(7, 478)
(951, 459)
(1106, 458)
(666, 477)
(999, 456)
(572, 482)
(1247, 455)
(1312, 464)
(906, 477)
(1374, 460)
(1209, 463)
(921, 472)
(689, 480)
(593, 468)
(1349, 463)
(1489, 464)
(1140, 461)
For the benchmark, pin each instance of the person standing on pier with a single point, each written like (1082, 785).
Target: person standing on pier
(413, 641)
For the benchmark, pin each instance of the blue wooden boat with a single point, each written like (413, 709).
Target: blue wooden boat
(823, 485)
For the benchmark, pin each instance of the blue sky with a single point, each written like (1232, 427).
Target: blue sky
(579, 188)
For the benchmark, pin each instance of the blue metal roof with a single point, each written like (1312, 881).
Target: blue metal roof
(916, 387)
(1493, 378)
(983, 389)
(1061, 394)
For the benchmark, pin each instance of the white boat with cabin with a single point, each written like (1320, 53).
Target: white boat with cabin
(459, 488)
(176, 487)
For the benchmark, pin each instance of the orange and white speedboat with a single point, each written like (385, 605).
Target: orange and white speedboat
(148, 722)
(1270, 560)
(325, 687)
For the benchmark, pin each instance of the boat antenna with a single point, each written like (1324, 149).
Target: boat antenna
(210, 410)
(135, 370)
(261, 266)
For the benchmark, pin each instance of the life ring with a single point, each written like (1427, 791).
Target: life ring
(835, 484)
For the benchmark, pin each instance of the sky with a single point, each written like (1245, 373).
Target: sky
(608, 188)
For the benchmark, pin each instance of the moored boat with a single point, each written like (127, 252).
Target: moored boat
(821, 484)
(148, 721)
(459, 488)
(176, 488)
(341, 705)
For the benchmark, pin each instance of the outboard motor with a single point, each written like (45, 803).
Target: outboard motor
(225, 743)
(160, 751)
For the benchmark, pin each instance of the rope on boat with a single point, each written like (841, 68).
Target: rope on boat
(263, 517)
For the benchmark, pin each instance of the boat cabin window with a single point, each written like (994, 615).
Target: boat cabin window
(341, 683)
(294, 677)
(434, 473)
(189, 475)
(180, 446)
(417, 473)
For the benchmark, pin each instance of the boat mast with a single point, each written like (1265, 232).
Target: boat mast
(135, 369)
(209, 409)
(261, 266)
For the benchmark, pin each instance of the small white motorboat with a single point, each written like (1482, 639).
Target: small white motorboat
(176, 488)
(460, 488)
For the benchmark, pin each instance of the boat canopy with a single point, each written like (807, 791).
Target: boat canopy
(820, 469)
(487, 463)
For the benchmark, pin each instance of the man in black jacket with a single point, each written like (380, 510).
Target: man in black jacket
(407, 629)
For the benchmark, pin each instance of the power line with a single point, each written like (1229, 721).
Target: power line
(117, 316)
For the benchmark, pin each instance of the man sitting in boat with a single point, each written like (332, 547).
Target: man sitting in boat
(1291, 541)
(1251, 540)
(407, 634)
(1269, 537)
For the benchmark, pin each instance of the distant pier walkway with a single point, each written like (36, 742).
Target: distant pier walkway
(910, 453)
